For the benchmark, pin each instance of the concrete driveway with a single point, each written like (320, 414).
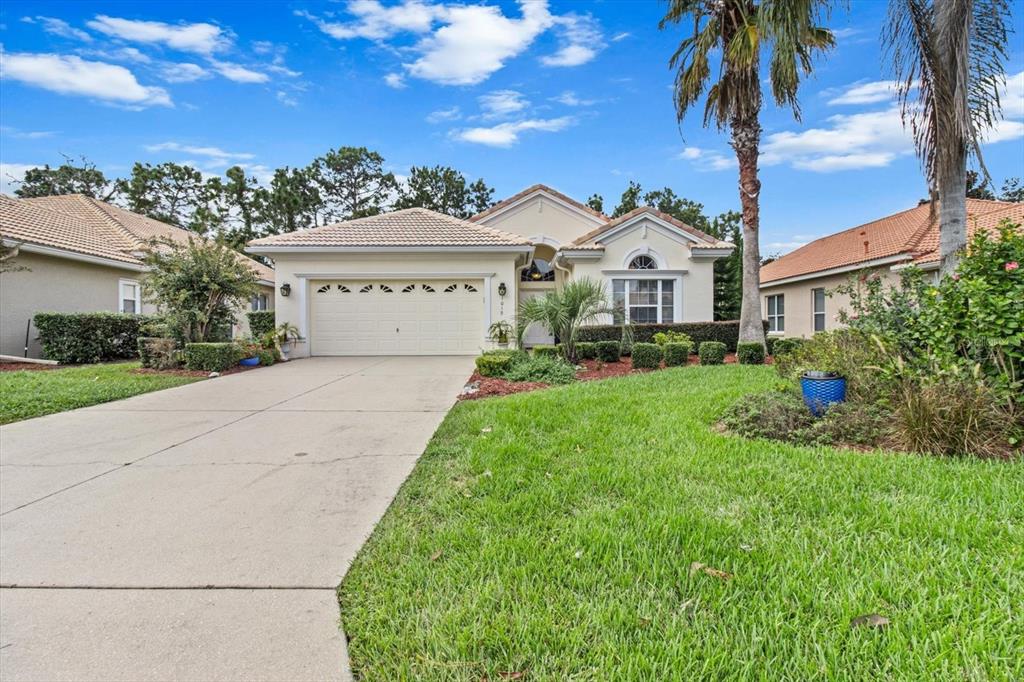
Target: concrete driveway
(200, 532)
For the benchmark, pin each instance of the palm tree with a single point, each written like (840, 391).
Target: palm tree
(951, 53)
(739, 30)
(565, 311)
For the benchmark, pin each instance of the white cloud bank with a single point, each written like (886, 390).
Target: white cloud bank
(201, 38)
(70, 75)
(507, 134)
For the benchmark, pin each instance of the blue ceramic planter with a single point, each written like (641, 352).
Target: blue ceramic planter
(249, 362)
(822, 389)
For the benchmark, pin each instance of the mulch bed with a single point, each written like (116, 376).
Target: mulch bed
(24, 367)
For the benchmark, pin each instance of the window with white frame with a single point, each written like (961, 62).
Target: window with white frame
(643, 262)
(776, 313)
(818, 309)
(644, 301)
(259, 302)
(130, 296)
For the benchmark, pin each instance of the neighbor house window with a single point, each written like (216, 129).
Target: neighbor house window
(776, 313)
(130, 296)
(644, 301)
(540, 270)
(818, 309)
(259, 301)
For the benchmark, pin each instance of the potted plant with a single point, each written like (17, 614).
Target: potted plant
(286, 335)
(499, 332)
(250, 353)
(822, 389)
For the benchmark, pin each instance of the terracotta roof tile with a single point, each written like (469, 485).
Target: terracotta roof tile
(530, 190)
(710, 242)
(409, 227)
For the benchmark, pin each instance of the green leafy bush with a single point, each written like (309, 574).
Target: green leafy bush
(496, 363)
(750, 353)
(586, 350)
(261, 323)
(542, 369)
(786, 345)
(711, 353)
(547, 351)
(850, 353)
(158, 353)
(677, 353)
(267, 357)
(212, 357)
(646, 356)
(727, 332)
(608, 351)
(76, 338)
(662, 338)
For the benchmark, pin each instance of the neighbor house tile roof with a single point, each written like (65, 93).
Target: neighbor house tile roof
(531, 190)
(912, 234)
(593, 236)
(91, 227)
(411, 227)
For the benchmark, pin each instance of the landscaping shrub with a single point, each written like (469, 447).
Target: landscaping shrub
(261, 322)
(212, 357)
(662, 338)
(783, 346)
(861, 424)
(608, 351)
(586, 350)
(77, 338)
(267, 357)
(496, 363)
(750, 353)
(711, 353)
(677, 353)
(547, 351)
(851, 354)
(157, 352)
(646, 356)
(776, 414)
(541, 368)
(726, 331)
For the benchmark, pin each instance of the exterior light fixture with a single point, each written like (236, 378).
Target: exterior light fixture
(502, 290)
(286, 289)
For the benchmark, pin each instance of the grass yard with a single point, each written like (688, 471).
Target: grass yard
(25, 394)
(553, 535)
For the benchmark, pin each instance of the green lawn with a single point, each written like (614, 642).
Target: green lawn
(553, 534)
(26, 394)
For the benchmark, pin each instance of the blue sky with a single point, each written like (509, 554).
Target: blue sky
(573, 94)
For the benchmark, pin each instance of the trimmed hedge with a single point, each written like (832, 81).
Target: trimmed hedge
(495, 363)
(750, 353)
(783, 346)
(711, 353)
(677, 353)
(211, 357)
(78, 338)
(260, 322)
(646, 356)
(586, 350)
(726, 332)
(546, 351)
(609, 351)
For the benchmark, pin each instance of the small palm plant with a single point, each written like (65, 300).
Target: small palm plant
(564, 312)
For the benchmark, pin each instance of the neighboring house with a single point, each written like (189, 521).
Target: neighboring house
(416, 282)
(797, 290)
(81, 255)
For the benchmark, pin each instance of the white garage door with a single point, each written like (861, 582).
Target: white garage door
(399, 317)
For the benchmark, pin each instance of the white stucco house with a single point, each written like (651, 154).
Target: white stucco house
(416, 282)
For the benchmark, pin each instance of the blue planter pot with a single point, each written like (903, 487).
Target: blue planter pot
(822, 389)
(249, 362)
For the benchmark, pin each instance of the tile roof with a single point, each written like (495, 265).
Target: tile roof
(531, 190)
(90, 227)
(911, 233)
(411, 227)
(710, 242)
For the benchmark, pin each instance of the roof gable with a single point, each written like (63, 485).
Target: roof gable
(533, 191)
(696, 237)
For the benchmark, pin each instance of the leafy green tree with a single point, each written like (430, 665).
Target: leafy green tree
(66, 178)
(596, 202)
(680, 208)
(629, 200)
(173, 193)
(443, 189)
(293, 201)
(734, 33)
(729, 270)
(198, 286)
(481, 197)
(352, 183)
(245, 204)
(1012, 190)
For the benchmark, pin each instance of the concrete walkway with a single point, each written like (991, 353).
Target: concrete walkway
(199, 533)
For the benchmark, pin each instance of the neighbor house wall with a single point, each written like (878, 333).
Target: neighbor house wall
(299, 270)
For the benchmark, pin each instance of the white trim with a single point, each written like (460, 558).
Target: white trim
(677, 292)
(547, 241)
(768, 315)
(519, 202)
(121, 282)
(644, 274)
(644, 250)
(580, 255)
(605, 236)
(304, 298)
(835, 271)
(72, 255)
(711, 253)
(487, 304)
(451, 274)
(927, 266)
(258, 248)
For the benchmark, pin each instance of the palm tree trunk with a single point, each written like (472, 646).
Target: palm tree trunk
(953, 215)
(951, 48)
(746, 140)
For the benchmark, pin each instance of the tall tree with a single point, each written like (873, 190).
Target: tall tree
(481, 196)
(173, 193)
(630, 199)
(977, 188)
(729, 270)
(293, 201)
(352, 183)
(245, 202)
(951, 53)
(680, 208)
(596, 202)
(1012, 190)
(443, 189)
(67, 178)
(738, 31)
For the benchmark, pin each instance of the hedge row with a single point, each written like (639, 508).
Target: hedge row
(78, 338)
(726, 332)
(212, 357)
(260, 322)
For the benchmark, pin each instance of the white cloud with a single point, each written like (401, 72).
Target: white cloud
(507, 134)
(621, 36)
(286, 99)
(707, 159)
(441, 115)
(201, 38)
(839, 162)
(570, 99)
(11, 175)
(866, 93)
(1012, 96)
(59, 27)
(376, 22)
(182, 73)
(502, 103)
(25, 134)
(581, 41)
(213, 156)
(1003, 131)
(238, 73)
(395, 80)
(69, 75)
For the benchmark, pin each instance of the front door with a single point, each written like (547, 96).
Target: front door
(536, 333)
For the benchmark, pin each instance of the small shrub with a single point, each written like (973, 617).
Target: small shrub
(711, 353)
(771, 415)
(158, 353)
(496, 363)
(541, 369)
(587, 350)
(609, 351)
(546, 351)
(646, 356)
(76, 338)
(261, 323)
(670, 336)
(677, 353)
(849, 353)
(863, 424)
(267, 357)
(750, 353)
(212, 357)
(784, 346)
(725, 331)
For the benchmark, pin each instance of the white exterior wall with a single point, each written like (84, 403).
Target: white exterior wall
(300, 269)
(544, 217)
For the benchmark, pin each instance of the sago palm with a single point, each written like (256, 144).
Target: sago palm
(951, 53)
(736, 32)
(563, 312)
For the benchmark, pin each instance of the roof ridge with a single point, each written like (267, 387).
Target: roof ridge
(537, 187)
(625, 217)
(100, 207)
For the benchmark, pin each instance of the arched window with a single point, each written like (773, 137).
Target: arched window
(643, 263)
(540, 270)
